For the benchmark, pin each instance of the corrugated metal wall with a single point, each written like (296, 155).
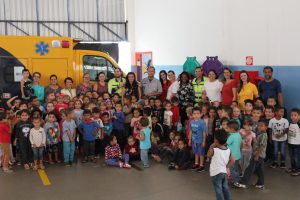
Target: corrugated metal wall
(98, 20)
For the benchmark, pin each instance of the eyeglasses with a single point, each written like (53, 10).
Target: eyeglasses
(36, 76)
(53, 79)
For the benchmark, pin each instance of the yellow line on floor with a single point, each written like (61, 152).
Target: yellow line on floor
(44, 177)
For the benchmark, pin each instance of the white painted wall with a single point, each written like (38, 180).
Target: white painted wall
(269, 30)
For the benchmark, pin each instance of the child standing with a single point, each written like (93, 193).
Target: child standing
(38, 141)
(176, 111)
(89, 129)
(280, 128)
(168, 118)
(26, 90)
(53, 134)
(113, 154)
(5, 140)
(249, 138)
(198, 139)
(221, 161)
(69, 135)
(145, 141)
(294, 142)
(234, 142)
(118, 124)
(99, 136)
(135, 122)
(257, 161)
(127, 109)
(22, 136)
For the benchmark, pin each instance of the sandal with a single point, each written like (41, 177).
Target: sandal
(295, 174)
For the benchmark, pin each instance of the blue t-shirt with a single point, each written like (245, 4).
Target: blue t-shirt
(68, 125)
(107, 128)
(198, 128)
(39, 92)
(89, 128)
(118, 124)
(269, 89)
(146, 143)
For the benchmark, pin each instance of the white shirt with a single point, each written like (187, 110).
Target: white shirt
(278, 127)
(213, 90)
(168, 117)
(172, 89)
(294, 134)
(37, 137)
(219, 161)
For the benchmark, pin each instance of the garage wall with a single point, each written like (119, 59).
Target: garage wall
(268, 30)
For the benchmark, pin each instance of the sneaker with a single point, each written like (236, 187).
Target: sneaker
(289, 170)
(7, 171)
(260, 186)
(195, 166)
(26, 166)
(67, 165)
(295, 174)
(274, 165)
(282, 166)
(145, 166)
(239, 185)
(200, 169)
(121, 165)
(127, 166)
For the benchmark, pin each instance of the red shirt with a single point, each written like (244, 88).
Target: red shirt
(165, 87)
(227, 94)
(5, 136)
(132, 150)
(58, 107)
(175, 116)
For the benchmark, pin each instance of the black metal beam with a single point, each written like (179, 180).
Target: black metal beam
(18, 28)
(48, 27)
(86, 33)
(112, 32)
(53, 21)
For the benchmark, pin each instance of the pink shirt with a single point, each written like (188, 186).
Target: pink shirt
(247, 140)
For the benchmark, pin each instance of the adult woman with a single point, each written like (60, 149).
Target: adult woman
(53, 87)
(213, 87)
(229, 88)
(165, 84)
(172, 90)
(132, 87)
(68, 90)
(101, 86)
(39, 90)
(185, 95)
(85, 86)
(246, 89)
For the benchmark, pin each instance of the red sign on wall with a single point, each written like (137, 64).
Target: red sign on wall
(249, 60)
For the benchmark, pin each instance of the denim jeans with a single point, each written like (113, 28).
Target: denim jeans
(279, 146)
(69, 150)
(144, 157)
(38, 153)
(294, 151)
(234, 172)
(221, 186)
(115, 162)
(258, 168)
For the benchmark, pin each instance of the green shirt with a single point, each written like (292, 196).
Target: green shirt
(113, 86)
(39, 92)
(234, 142)
(261, 140)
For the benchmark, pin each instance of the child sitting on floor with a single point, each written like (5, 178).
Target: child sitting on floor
(113, 154)
(132, 148)
(181, 159)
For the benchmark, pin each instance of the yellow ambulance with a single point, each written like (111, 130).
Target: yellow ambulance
(48, 55)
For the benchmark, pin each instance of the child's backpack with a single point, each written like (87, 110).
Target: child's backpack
(212, 63)
(28, 90)
(190, 65)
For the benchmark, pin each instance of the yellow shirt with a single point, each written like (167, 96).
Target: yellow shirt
(247, 92)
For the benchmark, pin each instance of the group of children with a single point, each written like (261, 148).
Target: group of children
(235, 142)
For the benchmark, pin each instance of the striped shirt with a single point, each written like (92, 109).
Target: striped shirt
(112, 152)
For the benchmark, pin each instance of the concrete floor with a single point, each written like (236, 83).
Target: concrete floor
(96, 181)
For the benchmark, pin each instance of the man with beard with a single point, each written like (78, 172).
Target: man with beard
(270, 87)
(116, 84)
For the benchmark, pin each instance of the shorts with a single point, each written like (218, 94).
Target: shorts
(53, 148)
(198, 149)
